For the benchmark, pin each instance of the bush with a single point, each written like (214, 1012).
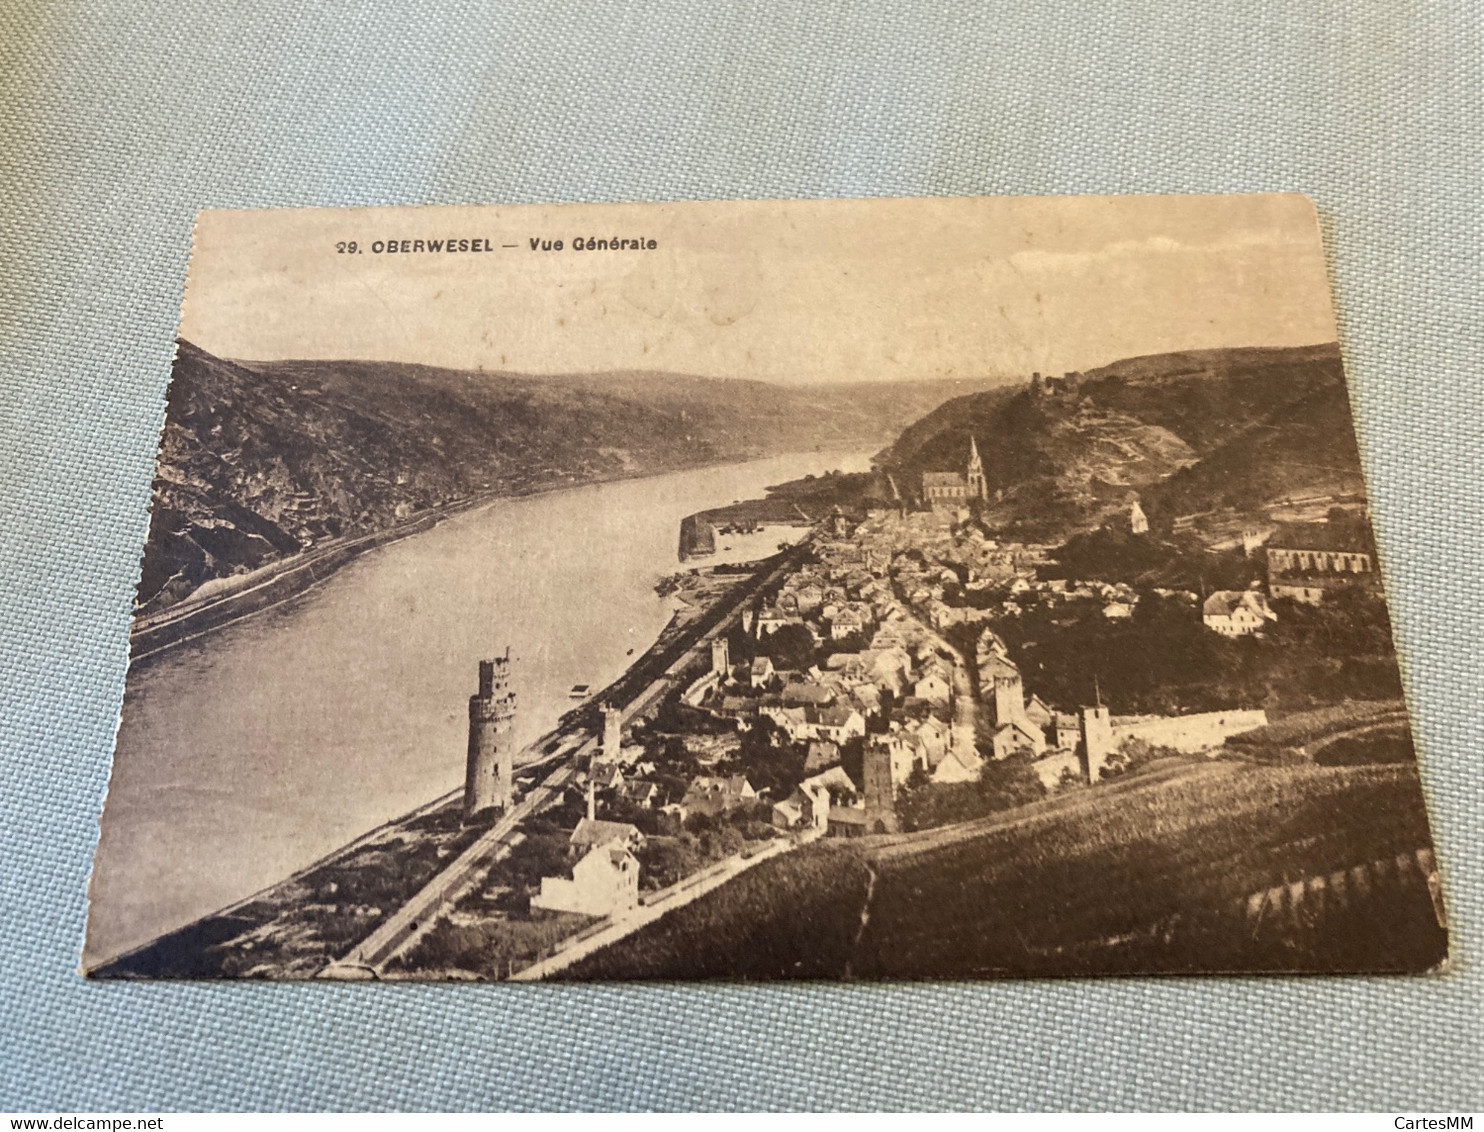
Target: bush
(1003, 785)
(1134, 753)
(666, 861)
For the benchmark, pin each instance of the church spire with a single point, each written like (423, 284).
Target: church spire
(974, 476)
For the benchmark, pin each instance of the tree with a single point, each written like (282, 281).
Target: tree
(1070, 779)
(1003, 785)
(663, 862)
(621, 809)
(790, 646)
(770, 763)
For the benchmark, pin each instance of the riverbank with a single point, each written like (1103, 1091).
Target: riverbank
(231, 600)
(368, 891)
(267, 743)
(258, 591)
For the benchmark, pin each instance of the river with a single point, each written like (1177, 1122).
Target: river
(250, 752)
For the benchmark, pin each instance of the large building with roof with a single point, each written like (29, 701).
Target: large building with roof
(956, 489)
(1307, 559)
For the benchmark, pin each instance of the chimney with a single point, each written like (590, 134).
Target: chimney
(592, 801)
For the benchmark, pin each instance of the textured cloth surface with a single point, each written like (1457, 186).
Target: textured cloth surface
(120, 120)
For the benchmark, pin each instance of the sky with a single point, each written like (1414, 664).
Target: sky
(787, 291)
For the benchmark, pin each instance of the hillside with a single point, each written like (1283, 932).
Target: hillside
(1171, 870)
(1185, 431)
(260, 460)
(1307, 448)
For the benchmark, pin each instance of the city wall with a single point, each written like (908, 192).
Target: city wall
(1188, 733)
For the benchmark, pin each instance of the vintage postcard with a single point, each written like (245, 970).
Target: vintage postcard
(856, 589)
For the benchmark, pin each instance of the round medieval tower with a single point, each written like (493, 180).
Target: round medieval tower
(488, 777)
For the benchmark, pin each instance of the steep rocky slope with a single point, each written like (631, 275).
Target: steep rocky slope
(261, 460)
(1183, 431)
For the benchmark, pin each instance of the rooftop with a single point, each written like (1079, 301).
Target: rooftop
(1353, 536)
(592, 832)
(1222, 603)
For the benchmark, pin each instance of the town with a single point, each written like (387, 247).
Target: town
(1040, 629)
(870, 688)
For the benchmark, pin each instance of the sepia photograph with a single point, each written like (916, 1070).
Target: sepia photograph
(892, 589)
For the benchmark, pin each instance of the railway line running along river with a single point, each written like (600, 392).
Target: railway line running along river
(572, 744)
(266, 744)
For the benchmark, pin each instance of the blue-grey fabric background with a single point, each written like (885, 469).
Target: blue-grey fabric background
(119, 120)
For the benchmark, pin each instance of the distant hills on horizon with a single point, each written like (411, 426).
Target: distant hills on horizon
(260, 460)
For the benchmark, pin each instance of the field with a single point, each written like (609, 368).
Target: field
(795, 917)
(297, 927)
(1162, 871)
(472, 948)
(1302, 728)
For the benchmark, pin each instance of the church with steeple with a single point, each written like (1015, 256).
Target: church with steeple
(956, 489)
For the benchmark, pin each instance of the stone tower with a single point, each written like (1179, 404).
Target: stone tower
(1009, 695)
(974, 474)
(488, 777)
(1096, 741)
(612, 732)
(721, 657)
(880, 790)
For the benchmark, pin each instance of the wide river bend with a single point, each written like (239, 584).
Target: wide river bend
(250, 752)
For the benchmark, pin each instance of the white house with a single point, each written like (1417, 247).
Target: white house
(709, 794)
(959, 766)
(604, 882)
(605, 774)
(807, 807)
(773, 618)
(1237, 613)
(933, 687)
(838, 723)
(1017, 735)
(934, 736)
(761, 671)
(593, 834)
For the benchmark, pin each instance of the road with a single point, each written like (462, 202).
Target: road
(964, 734)
(1393, 721)
(571, 743)
(678, 895)
(408, 922)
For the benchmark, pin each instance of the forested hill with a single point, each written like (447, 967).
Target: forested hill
(260, 460)
(1183, 432)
